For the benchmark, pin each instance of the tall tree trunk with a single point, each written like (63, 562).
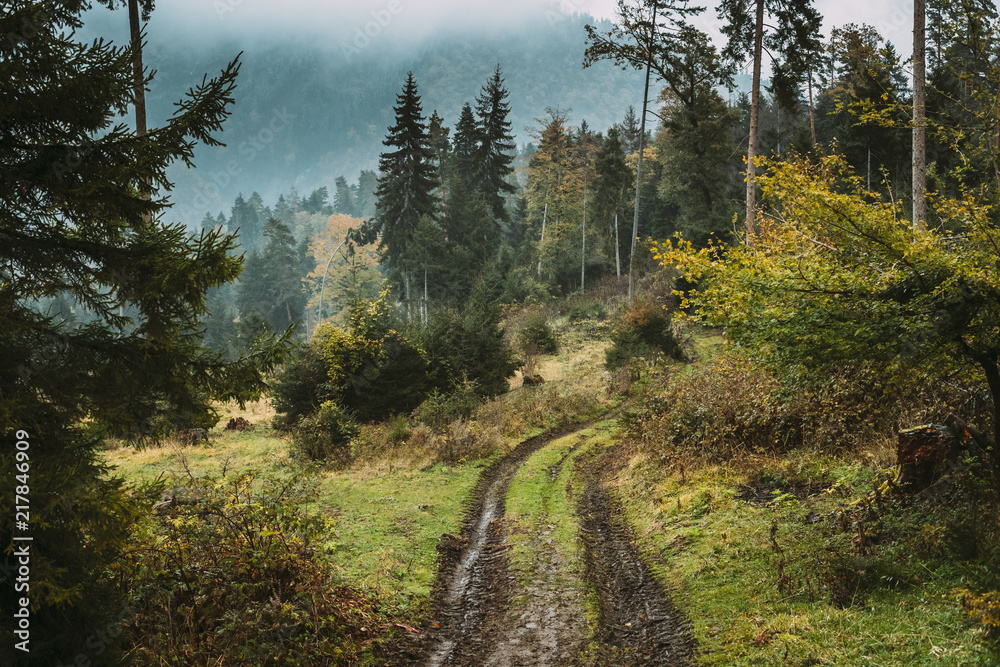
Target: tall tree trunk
(137, 79)
(425, 297)
(992, 372)
(868, 180)
(139, 88)
(812, 111)
(758, 46)
(409, 312)
(583, 245)
(642, 142)
(545, 214)
(919, 130)
(618, 260)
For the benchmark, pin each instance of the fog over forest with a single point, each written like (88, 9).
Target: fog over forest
(311, 108)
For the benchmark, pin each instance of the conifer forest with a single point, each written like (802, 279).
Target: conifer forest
(539, 333)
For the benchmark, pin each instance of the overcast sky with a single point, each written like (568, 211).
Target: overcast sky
(338, 21)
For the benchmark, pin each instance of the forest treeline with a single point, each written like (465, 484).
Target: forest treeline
(559, 212)
(332, 112)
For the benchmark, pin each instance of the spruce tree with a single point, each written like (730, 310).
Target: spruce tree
(470, 224)
(343, 198)
(611, 190)
(496, 149)
(406, 186)
(75, 225)
(284, 212)
(364, 194)
(464, 150)
(441, 151)
(629, 129)
(317, 202)
(208, 222)
(245, 221)
(272, 282)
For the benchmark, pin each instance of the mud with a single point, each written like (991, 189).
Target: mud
(545, 626)
(475, 619)
(638, 624)
(474, 586)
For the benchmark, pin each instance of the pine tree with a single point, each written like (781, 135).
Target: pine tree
(272, 282)
(629, 130)
(646, 36)
(406, 186)
(610, 193)
(793, 38)
(343, 198)
(496, 149)
(74, 224)
(441, 151)
(139, 78)
(244, 220)
(364, 196)
(284, 212)
(695, 143)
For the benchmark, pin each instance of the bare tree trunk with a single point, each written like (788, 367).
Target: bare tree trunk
(425, 297)
(409, 313)
(137, 78)
(583, 245)
(812, 111)
(139, 88)
(545, 214)
(868, 181)
(638, 171)
(758, 45)
(618, 261)
(919, 129)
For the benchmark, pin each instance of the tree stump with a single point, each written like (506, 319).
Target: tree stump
(924, 453)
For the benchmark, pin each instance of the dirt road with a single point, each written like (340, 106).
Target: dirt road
(484, 614)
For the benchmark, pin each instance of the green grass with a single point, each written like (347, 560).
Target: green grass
(716, 553)
(227, 453)
(387, 522)
(388, 527)
(538, 502)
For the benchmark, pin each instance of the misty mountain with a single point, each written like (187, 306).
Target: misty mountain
(307, 111)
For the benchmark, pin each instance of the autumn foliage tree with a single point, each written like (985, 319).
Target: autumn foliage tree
(836, 277)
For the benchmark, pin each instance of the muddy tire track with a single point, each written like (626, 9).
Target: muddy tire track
(638, 624)
(545, 629)
(474, 587)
